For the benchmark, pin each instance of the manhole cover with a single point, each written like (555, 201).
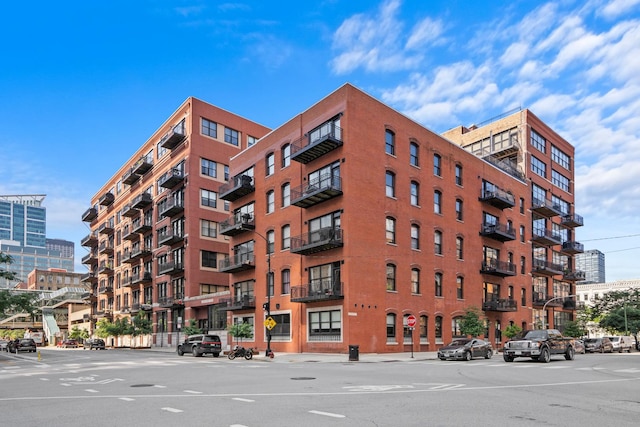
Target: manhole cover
(142, 385)
(302, 378)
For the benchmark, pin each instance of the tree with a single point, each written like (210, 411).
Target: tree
(191, 329)
(574, 329)
(471, 323)
(4, 272)
(241, 330)
(78, 334)
(12, 302)
(140, 325)
(512, 330)
(103, 328)
(618, 311)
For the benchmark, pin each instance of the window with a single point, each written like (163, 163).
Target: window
(285, 153)
(286, 237)
(391, 230)
(522, 205)
(538, 141)
(282, 330)
(539, 195)
(209, 259)
(459, 209)
(538, 166)
(455, 327)
(523, 264)
(406, 332)
(208, 168)
(437, 202)
(560, 158)
(415, 193)
(286, 195)
(438, 284)
(460, 287)
(208, 198)
(231, 136)
(391, 328)
(286, 281)
(438, 329)
(415, 281)
(415, 236)
(437, 165)
(459, 248)
(208, 228)
(523, 297)
(391, 184)
(325, 325)
(522, 233)
(413, 154)
(251, 140)
(271, 241)
(559, 180)
(209, 128)
(391, 277)
(437, 240)
(390, 142)
(271, 201)
(459, 175)
(424, 321)
(270, 164)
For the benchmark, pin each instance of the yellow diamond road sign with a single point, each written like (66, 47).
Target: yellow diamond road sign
(269, 323)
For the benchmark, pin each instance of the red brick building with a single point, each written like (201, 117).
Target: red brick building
(153, 243)
(365, 217)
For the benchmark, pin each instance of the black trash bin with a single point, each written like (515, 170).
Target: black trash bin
(354, 353)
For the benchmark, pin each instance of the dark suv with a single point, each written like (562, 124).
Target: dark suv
(201, 344)
(23, 344)
(96, 343)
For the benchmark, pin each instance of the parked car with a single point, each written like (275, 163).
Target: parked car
(578, 345)
(200, 344)
(3, 345)
(94, 343)
(466, 349)
(598, 345)
(70, 343)
(621, 344)
(22, 344)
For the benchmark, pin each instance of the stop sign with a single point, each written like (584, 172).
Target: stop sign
(411, 321)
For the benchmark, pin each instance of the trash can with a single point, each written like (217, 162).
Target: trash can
(354, 353)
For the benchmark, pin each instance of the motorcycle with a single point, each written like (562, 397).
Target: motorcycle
(239, 351)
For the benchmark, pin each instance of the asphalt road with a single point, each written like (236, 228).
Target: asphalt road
(143, 388)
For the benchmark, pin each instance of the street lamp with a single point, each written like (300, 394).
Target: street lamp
(544, 308)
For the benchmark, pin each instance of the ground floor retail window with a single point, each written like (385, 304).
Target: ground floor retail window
(282, 330)
(325, 325)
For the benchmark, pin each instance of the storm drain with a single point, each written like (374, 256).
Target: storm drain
(141, 385)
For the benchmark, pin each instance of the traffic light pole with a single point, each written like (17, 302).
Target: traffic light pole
(267, 306)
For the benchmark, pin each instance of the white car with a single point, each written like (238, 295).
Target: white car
(621, 344)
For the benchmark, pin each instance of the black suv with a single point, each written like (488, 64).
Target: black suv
(22, 344)
(96, 343)
(201, 344)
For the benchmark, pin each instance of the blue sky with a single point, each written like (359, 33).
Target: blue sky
(83, 84)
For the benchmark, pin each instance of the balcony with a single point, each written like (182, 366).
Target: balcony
(540, 299)
(169, 237)
(105, 268)
(143, 165)
(309, 148)
(105, 248)
(238, 187)
(141, 278)
(500, 304)
(545, 268)
(498, 268)
(236, 263)
(89, 278)
(105, 289)
(546, 237)
(129, 235)
(546, 208)
(573, 275)
(171, 267)
(243, 302)
(135, 307)
(106, 199)
(173, 137)
(500, 232)
(316, 191)
(130, 177)
(168, 302)
(171, 178)
(90, 240)
(498, 198)
(140, 252)
(89, 215)
(129, 211)
(237, 224)
(141, 226)
(321, 290)
(572, 220)
(106, 228)
(572, 248)
(127, 258)
(171, 207)
(317, 241)
(103, 314)
(90, 258)
(141, 201)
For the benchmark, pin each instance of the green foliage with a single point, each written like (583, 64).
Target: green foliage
(103, 327)
(614, 322)
(17, 302)
(471, 323)
(618, 311)
(4, 272)
(192, 329)
(78, 334)
(574, 329)
(141, 325)
(241, 330)
(512, 330)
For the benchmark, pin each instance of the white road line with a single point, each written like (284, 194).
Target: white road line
(174, 410)
(557, 367)
(160, 386)
(239, 399)
(192, 391)
(327, 414)
(66, 384)
(126, 399)
(90, 390)
(44, 379)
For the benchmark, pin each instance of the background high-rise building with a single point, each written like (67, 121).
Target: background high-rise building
(592, 263)
(23, 237)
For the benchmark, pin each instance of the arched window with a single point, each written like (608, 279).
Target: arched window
(415, 281)
(390, 184)
(415, 193)
(391, 277)
(455, 327)
(415, 236)
(391, 328)
(390, 229)
(286, 195)
(286, 155)
(460, 287)
(413, 154)
(424, 337)
(438, 329)
(438, 284)
(270, 165)
(390, 142)
(437, 165)
(437, 240)
(459, 248)
(437, 202)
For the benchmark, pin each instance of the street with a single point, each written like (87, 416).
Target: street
(126, 387)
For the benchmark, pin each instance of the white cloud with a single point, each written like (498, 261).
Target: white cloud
(616, 8)
(425, 31)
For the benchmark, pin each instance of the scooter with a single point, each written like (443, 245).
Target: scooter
(239, 351)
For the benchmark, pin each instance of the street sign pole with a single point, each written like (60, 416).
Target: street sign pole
(411, 323)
